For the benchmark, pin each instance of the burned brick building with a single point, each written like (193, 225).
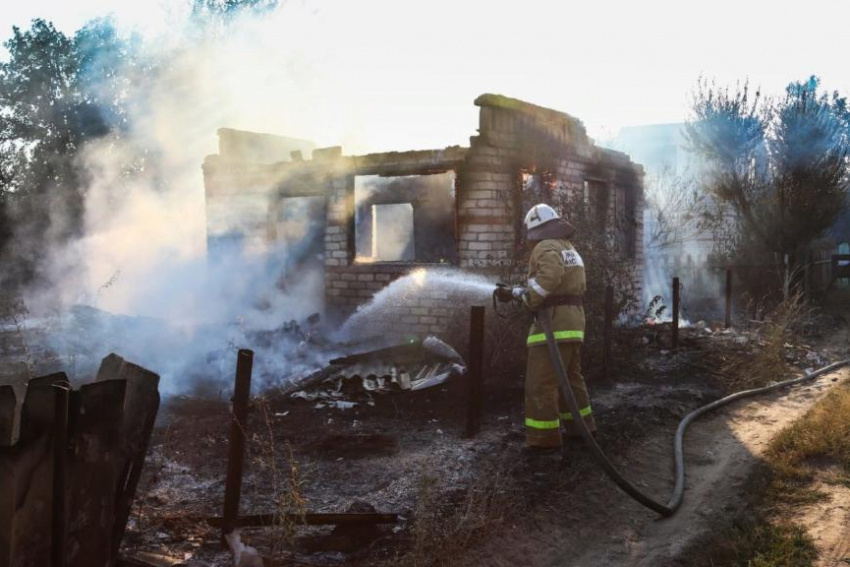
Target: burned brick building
(380, 216)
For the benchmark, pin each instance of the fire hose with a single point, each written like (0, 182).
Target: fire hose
(544, 320)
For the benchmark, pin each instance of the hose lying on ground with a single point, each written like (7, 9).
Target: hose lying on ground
(544, 319)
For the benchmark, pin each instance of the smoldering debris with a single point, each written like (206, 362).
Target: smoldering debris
(297, 357)
(355, 379)
(197, 359)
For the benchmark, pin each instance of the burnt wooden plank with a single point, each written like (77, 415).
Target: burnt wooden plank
(475, 376)
(59, 513)
(97, 410)
(141, 404)
(236, 446)
(8, 403)
(26, 493)
(110, 367)
(309, 519)
(7, 484)
(145, 559)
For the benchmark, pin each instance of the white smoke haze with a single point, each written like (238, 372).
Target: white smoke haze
(143, 258)
(306, 71)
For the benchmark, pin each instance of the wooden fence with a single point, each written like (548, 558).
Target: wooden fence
(68, 478)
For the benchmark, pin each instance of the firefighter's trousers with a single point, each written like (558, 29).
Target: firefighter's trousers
(545, 408)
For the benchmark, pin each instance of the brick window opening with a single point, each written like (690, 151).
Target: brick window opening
(408, 218)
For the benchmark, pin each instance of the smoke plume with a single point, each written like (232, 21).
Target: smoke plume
(138, 281)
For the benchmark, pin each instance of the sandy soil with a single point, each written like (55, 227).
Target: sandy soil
(595, 524)
(828, 523)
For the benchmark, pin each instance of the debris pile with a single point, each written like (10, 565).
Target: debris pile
(355, 379)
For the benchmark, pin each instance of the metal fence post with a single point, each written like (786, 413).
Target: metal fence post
(728, 321)
(675, 342)
(236, 447)
(609, 323)
(476, 371)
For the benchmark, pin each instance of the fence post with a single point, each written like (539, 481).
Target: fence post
(728, 320)
(807, 275)
(609, 322)
(8, 404)
(476, 371)
(675, 342)
(59, 532)
(236, 446)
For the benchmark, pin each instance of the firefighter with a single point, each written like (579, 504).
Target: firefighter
(556, 280)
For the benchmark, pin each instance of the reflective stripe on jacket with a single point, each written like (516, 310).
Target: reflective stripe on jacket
(555, 268)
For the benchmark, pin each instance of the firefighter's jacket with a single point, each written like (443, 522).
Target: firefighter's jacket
(556, 269)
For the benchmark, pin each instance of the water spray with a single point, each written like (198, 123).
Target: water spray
(400, 293)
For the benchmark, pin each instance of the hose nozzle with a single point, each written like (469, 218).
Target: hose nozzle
(503, 293)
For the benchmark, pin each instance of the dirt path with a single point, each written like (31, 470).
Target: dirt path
(828, 523)
(593, 524)
(730, 446)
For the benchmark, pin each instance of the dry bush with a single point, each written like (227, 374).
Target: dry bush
(285, 482)
(765, 361)
(444, 532)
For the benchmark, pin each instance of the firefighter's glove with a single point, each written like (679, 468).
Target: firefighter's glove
(517, 293)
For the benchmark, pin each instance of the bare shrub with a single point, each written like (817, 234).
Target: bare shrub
(286, 484)
(605, 265)
(445, 531)
(765, 362)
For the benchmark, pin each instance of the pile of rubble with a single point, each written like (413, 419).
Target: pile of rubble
(355, 379)
(798, 350)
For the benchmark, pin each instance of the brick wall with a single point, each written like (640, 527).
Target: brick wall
(513, 137)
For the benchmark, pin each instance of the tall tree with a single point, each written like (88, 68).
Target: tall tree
(59, 92)
(56, 93)
(37, 98)
(782, 165)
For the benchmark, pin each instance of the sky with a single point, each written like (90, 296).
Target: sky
(376, 75)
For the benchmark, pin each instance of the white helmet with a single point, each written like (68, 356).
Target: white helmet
(538, 215)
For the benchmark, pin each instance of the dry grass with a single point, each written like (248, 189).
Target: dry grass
(286, 484)
(765, 362)
(444, 532)
(754, 542)
(819, 440)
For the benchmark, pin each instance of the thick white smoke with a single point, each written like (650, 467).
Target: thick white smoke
(143, 258)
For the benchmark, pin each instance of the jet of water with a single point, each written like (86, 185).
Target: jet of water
(408, 290)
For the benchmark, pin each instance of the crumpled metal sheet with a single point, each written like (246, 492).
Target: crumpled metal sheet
(395, 369)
